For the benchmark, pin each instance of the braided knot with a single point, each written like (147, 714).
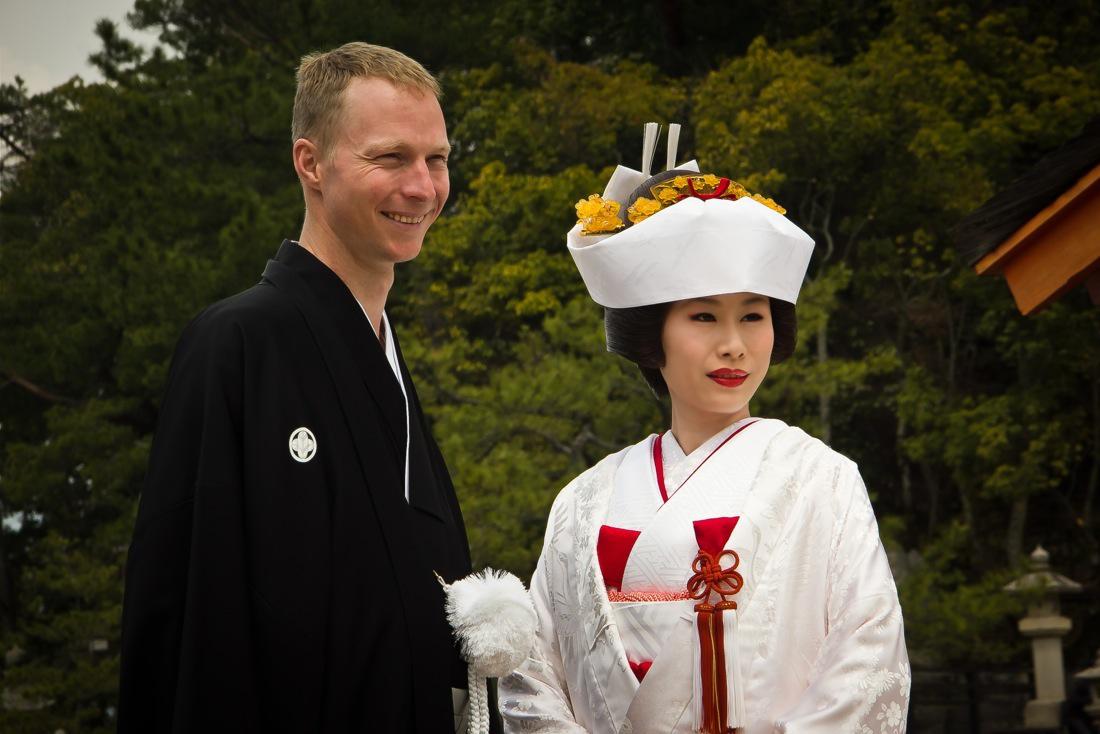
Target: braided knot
(710, 577)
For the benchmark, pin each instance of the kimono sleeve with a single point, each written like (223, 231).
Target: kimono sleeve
(862, 676)
(186, 662)
(535, 697)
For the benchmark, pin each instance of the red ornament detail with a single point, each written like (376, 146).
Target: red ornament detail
(640, 669)
(613, 547)
(719, 190)
(712, 533)
(710, 578)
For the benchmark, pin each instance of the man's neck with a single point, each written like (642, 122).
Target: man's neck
(369, 282)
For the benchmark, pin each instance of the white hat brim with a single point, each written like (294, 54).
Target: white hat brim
(693, 249)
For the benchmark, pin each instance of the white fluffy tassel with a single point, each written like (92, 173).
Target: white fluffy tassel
(735, 700)
(696, 675)
(494, 622)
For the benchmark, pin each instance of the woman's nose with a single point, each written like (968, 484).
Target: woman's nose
(732, 345)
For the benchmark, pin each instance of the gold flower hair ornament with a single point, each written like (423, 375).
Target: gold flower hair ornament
(598, 216)
(602, 217)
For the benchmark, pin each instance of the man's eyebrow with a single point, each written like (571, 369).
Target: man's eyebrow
(375, 146)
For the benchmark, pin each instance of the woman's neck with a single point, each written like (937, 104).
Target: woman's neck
(691, 428)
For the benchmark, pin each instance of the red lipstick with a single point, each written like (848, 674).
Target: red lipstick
(727, 377)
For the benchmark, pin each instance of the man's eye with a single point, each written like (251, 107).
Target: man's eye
(438, 160)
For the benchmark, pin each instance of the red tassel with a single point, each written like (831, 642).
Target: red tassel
(711, 689)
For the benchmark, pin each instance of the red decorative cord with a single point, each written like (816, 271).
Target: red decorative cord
(710, 577)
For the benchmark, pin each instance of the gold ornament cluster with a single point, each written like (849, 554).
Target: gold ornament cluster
(599, 216)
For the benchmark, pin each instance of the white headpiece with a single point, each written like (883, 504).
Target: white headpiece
(701, 236)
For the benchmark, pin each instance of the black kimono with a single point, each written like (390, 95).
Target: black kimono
(265, 593)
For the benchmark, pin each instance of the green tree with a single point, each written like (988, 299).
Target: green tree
(127, 206)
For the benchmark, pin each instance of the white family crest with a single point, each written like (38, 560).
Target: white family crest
(303, 444)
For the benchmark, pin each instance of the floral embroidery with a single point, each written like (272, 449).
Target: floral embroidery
(890, 716)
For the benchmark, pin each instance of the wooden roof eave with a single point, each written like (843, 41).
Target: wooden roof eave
(1054, 251)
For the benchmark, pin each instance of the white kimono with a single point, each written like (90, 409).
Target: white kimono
(820, 645)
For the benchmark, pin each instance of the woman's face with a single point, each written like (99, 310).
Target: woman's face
(717, 351)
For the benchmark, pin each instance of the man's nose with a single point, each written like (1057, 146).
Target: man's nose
(417, 182)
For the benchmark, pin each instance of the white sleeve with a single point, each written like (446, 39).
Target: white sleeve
(862, 677)
(535, 698)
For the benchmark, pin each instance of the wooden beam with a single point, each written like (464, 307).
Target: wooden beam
(996, 259)
(1057, 257)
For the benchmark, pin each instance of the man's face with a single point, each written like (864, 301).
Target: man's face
(386, 179)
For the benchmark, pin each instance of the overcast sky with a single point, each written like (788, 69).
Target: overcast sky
(48, 41)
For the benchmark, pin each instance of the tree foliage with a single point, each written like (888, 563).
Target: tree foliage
(129, 205)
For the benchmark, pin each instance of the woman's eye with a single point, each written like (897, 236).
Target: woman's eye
(702, 317)
(752, 317)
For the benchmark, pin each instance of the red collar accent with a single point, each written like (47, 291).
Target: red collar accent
(659, 467)
(659, 464)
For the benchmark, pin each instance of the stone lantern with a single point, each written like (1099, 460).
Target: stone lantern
(1092, 677)
(1046, 627)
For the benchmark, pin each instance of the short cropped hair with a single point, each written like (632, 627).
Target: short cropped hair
(635, 333)
(323, 76)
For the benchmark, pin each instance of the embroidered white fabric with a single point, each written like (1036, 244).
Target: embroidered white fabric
(821, 641)
(661, 558)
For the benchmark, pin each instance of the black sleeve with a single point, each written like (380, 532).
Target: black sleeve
(186, 661)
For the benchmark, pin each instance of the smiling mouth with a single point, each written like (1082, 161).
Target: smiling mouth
(404, 219)
(728, 378)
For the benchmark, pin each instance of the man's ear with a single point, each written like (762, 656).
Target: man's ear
(307, 163)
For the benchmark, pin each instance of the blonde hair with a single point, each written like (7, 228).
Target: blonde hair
(323, 76)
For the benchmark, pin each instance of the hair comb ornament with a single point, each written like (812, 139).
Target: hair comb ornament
(713, 236)
(705, 186)
(600, 215)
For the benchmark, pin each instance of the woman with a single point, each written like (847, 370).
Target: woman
(726, 574)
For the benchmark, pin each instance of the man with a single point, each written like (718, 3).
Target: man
(280, 577)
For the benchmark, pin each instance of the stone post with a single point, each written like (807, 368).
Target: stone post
(1092, 677)
(1046, 627)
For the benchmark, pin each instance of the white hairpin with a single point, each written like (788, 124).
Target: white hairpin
(673, 144)
(649, 147)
